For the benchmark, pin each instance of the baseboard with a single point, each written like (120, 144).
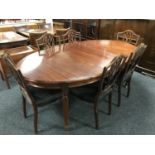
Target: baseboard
(145, 71)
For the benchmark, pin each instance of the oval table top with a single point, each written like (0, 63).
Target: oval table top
(78, 64)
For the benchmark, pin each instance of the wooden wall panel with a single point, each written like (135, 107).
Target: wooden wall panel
(145, 28)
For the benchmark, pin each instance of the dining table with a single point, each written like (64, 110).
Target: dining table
(76, 64)
(12, 39)
(26, 33)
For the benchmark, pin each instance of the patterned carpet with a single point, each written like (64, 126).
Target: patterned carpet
(135, 116)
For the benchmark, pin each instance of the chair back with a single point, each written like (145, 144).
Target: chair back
(111, 73)
(72, 35)
(46, 42)
(134, 58)
(129, 36)
(19, 78)
(33, 36)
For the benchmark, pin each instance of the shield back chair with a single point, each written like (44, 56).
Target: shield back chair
(129, 36)
(69, 37)
(46, 43)
(33, 36)
(91, 93)
(125, 76)
(35, 96)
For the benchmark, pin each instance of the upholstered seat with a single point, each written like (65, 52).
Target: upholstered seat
(44, 96)
(86, 92)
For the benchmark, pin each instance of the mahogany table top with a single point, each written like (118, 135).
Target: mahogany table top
(78, 64)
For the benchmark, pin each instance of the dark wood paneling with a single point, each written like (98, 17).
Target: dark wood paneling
(108, 28)
(145, 28)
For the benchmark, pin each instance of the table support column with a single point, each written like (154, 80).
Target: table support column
(65, 101)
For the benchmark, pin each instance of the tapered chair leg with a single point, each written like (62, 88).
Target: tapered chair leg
(119, 95)
(1, 75)
(7, 83)
(129, 85)
(96, 114)
(35, 119)
(4, 77)
(110, 103)
(24, 107)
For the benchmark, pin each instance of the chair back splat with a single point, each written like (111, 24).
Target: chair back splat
(46, 42)
(69, 36)
(33, 36)
(111, 73)
(134, 59)
(129, 36)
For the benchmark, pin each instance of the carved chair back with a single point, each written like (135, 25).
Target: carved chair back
(33, 36)
(71, 35)
(46, 42)
(129, 36)
(111, 73)
(134, 58)
(19, 78)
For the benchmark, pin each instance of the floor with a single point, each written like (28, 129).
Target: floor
(136, 116)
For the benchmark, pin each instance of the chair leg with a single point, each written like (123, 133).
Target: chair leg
(35, 119)
(119, 95)
(24, 107)
(1, 75)
(129, 86)
(110, 102)
(96, 113)
(4, 76)
(7, 81)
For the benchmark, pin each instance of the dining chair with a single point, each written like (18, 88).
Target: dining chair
(127, 71)
(91, 93)
(36, 96)
(33, 36)
(69, 37)
(46, 43)
(129, 36)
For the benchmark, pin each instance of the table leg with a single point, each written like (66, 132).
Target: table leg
(65, 107)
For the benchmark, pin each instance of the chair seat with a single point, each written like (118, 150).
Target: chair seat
(44, 96)
(86, 93)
